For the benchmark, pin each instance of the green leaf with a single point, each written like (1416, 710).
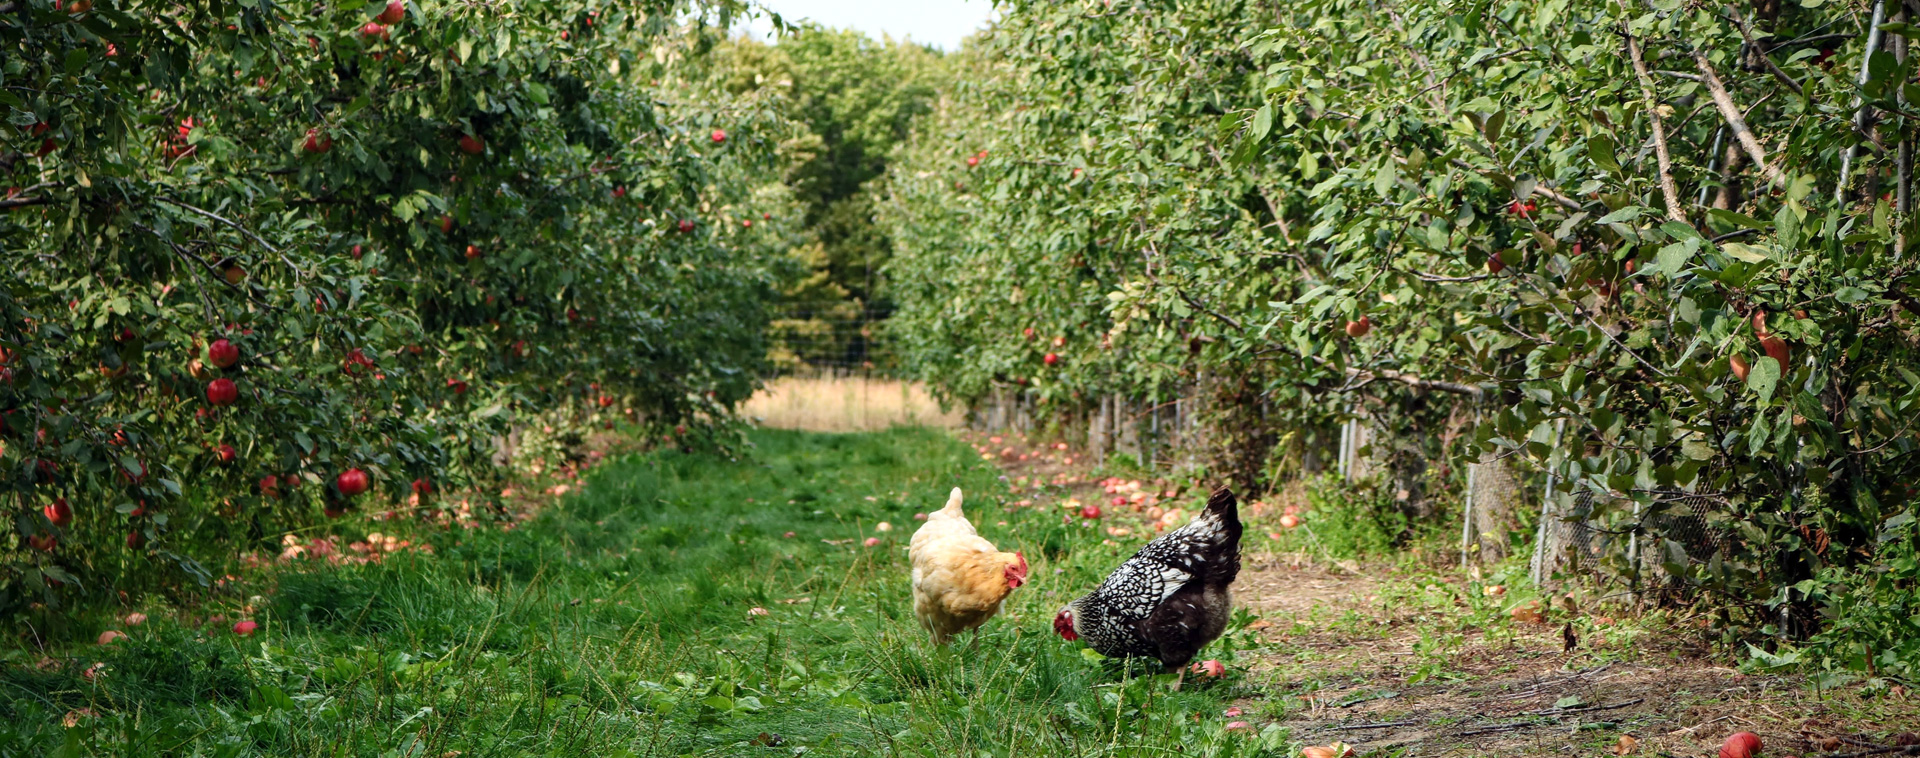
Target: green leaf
(1744, 252)
(1736, 219)
(1680, 231)
(1495, 123)
(1600, 151)
(1262, 123)
(1673, 259)
(1764, 376)
(1383, 179)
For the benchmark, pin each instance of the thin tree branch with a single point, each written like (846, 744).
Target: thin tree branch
(1669, 191)
(1735, 122)
(1746, 32)
(248, 233)
(1543, 191)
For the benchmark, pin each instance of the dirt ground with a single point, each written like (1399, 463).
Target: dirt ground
(1527, 693)
(1347, 658)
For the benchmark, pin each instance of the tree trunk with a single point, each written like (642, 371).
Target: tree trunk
(1496, 498)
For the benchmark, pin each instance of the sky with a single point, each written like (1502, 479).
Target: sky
(940, 23)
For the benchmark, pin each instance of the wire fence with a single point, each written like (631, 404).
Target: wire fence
(1590, 533)
(836, 370)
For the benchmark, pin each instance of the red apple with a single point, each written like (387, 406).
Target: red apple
(317, 141)
(1051, 359)
(422, 487)
(872, 542)
(606, 401)
(44, 543)
(235, 275)
(1740, 745)
(356, 252)
(458, 387)
(270, 485)
(719, 136)
(1495, 265)
(472, 145)
(747, 222)
(472, 252)
(222, 392)
(47, 146)
(686, 225)
(619, 192)
(1289, 521)
(680, 429)
(351, 482)
(1738, 363)
(396, 12)
(1776, 348)
(244, 628)
(223, 353)
(373, 30)
(1089, 511)
(973, 160)
(1059, 342)
(446, 224)
(1027, 332)
(58, 512)
(226, 453)
(1359, 328)
(136, 539)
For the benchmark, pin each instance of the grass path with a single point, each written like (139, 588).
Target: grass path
(621, 622)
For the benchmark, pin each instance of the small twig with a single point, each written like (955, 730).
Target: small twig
(248, 233)
(1740, 22)
(1432, 278)
(1558, 711)
(1501, 728)
(1381, 725)
(1543, 191)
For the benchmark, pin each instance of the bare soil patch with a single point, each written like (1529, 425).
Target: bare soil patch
(1368, 682)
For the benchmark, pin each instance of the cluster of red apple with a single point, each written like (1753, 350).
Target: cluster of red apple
(1051, 359)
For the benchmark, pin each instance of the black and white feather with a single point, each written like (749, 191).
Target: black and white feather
(1171, 598)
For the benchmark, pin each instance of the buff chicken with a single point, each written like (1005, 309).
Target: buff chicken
(959, 578)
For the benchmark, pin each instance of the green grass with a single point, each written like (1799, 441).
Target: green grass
(617, 623)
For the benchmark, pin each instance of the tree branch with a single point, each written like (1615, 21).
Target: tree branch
(1735, 122)
(1541, 190)
(1746, 32)
(1669, 191)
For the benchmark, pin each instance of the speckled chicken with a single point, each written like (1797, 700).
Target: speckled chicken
(1168, 600)
(959, 578)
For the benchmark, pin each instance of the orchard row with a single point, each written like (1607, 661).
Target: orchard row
(269, 264)
(1652, 249)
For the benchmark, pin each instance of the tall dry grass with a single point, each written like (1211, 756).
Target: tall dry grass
(847, 404)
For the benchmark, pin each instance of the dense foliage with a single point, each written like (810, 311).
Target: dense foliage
(254, 248)
(1431, 213)
(855, 98)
